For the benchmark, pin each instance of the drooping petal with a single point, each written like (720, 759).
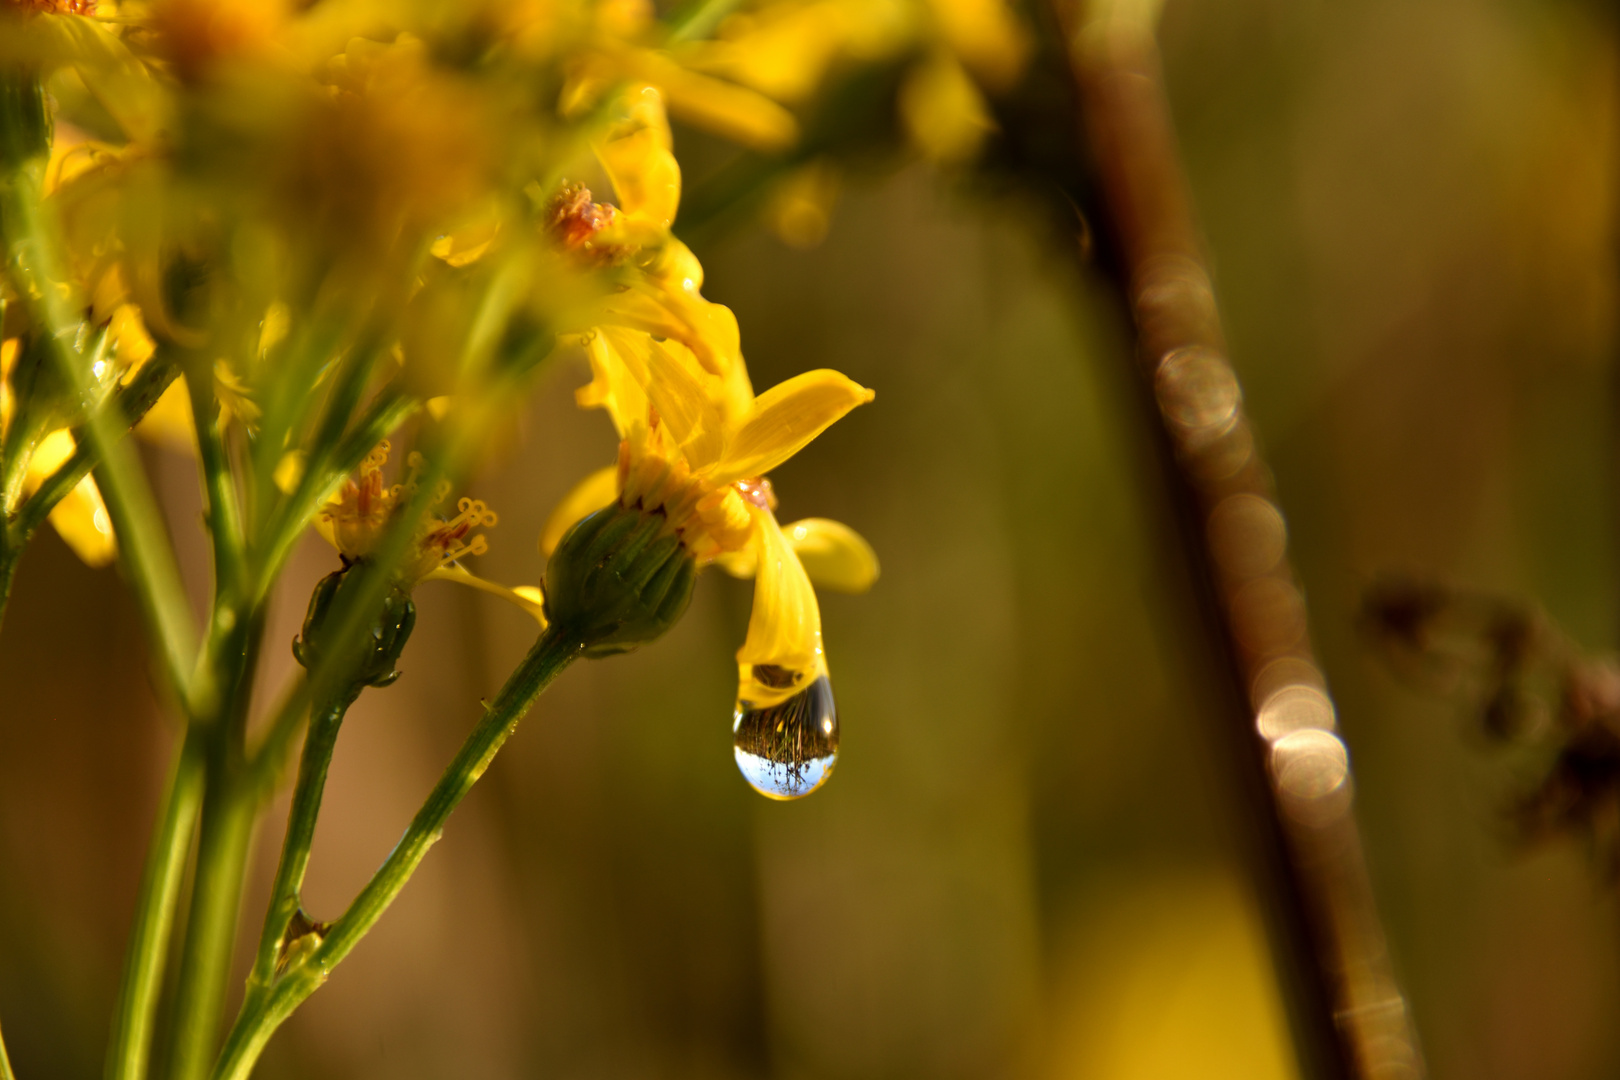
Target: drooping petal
(834, 555)
(784, 630)
(588, 496)
(526, 597)
(785, 418)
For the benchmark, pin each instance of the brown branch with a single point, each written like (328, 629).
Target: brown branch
(1350, 1019)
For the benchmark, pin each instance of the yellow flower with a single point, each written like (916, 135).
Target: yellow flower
(356, 517)
(695, 448)
(658, 286)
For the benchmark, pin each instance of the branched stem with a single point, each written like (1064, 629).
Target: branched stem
(553, 652)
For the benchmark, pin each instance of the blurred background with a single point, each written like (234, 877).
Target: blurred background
(1028, 862)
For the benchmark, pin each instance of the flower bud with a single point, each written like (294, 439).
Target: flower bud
(619, 578)
(386, 635)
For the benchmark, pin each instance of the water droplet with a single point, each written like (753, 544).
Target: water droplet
(787, 750)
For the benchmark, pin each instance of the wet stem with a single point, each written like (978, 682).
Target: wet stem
(304, 973)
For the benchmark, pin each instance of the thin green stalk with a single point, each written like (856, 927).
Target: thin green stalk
(130, 1047)
(285, 892)
(223, 511)
(553, 652)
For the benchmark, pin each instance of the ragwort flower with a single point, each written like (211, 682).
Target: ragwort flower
(694, 451)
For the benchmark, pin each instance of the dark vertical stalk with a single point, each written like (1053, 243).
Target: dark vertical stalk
(1289, 763)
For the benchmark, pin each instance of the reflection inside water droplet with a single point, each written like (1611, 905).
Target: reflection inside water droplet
(787, 750)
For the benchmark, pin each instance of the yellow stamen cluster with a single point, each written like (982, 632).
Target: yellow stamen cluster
(710, 519)
(356, 518)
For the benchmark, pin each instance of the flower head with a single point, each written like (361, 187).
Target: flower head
(694, 451)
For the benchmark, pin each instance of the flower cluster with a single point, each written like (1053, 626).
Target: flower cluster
(281, 230)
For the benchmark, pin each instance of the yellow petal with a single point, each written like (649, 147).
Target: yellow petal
(800, 210)
(81, 517)
(785, 418)
(684, 403)
(589, 495)
(943, 111)
(169, 421)
(289, 471)
(988, 37)
(81, 520)
(742, 115)
(673, 308)
(527, 597)
(637, 157)
(833, 554)
(618, 372)
(784, 629)
(132, 345)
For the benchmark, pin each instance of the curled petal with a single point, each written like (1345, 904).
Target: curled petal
(834, 555)
(589, 495)
(785, 418)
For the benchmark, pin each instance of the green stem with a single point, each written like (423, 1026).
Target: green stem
(223, 513)
(31, 258)
(285, 896)
(131, 1043)
(553, 652)
(5, 1062)
(222, 849)
(230, 807)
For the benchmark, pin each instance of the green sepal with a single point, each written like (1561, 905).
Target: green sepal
(388, 632)
(618, 580)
